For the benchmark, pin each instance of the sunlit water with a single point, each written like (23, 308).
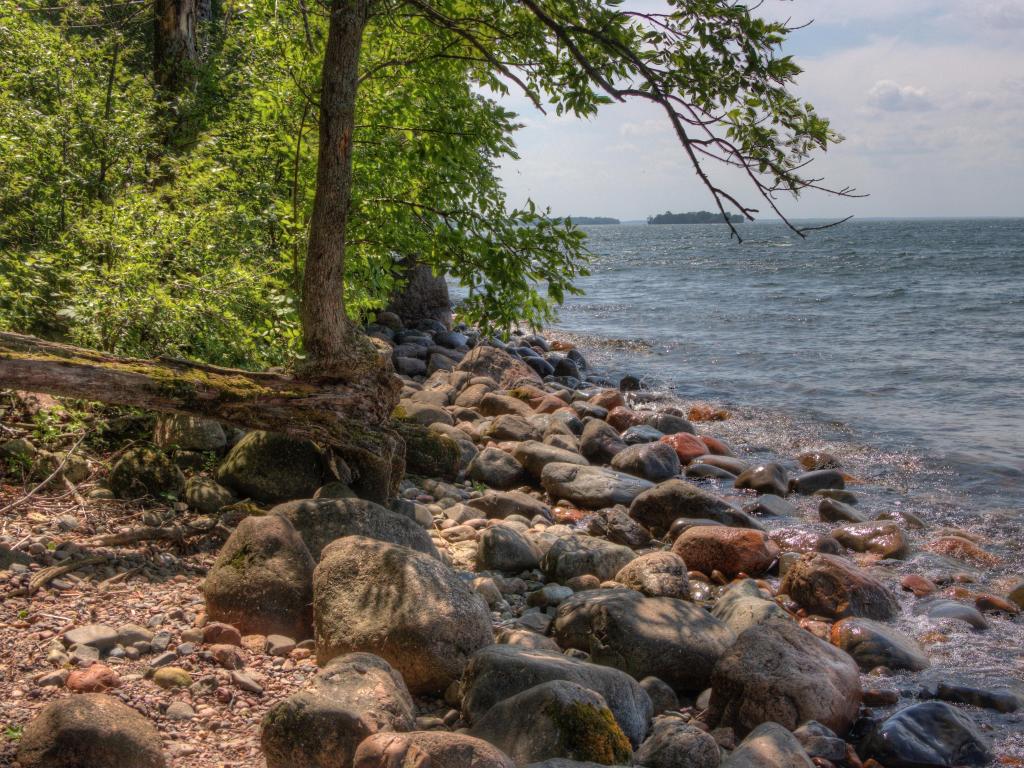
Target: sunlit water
(897, 345)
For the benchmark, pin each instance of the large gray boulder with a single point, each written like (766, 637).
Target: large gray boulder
(189, 433)
(499, 672)
(579, 555)
(673, 640)
(350, 699)
(600, 442)
(591, 487)
(778, 672)
(90, 729)
(406, 607)
(321, 521)
(931, 734)
(555, 719)
(271, 467)
(663, 504)
(501, 505)
(262, 580)
(498, 469)
(143, 472)
(652, 461)
(503, 548)
(873, 644)
(534, 456)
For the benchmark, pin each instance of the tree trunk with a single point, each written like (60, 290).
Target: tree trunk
(174, 43)
(350, 418)
(334, 347)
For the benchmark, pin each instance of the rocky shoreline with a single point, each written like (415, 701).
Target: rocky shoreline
(574, 572)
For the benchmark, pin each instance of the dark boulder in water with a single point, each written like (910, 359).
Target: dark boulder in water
(872, 644)
(819, 480)
(928, 735)
(765, 478)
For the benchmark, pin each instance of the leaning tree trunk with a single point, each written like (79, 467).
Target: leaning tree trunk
(349, 418)
(174, 43)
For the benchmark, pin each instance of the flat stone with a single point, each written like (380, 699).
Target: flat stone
(98, 636)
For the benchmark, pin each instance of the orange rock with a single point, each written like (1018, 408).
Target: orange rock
(730, 551)
(563, 513)
(228, 656)
(994, 604)
(705, 412)
(622, 418)
(546, 404)
(958, 546)
(94, 679)
(919, 585)
(608, 398)
(219, 632)
(557, 345)
(254, 643)
(687, 447)
(716, 446)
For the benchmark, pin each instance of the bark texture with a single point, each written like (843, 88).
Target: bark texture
(349, 418)
(174, 42)
(334, 347)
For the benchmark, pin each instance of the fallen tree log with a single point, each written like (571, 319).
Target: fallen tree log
(350, 418)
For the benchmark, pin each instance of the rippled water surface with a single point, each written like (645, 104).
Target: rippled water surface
(897, 345)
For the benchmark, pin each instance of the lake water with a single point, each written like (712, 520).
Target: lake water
(896, 345)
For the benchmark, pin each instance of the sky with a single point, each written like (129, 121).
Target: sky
(929, 95)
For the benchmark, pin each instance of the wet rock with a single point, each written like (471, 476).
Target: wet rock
(600, 442)
(687, 446)
(904, 518)
(402, 605)
(962, 548)
(142, 472)
(651, 461)
(437, 749)
(832, 511)
(730, 464)
(321, 521)
(623, 418)
(872, 644)
(884, 538)
(272, 467)
(770, 505)
(189, 433)
(352, 698)
(578, 554)
(769, 746)
(556, 719)
(778, 672)
(90, 730)
(1000, 701)
(803, 541)
(617, 526)
(729, 550)
(261, 581)
(821, 742)
(641, 434)
(498, 672)
(207, 496)
(919, 585)
(954, 611)
(677, 744)
(1016, 595)
(833, 586)
(661, 505)
(670, 639)
(669, 423)
(742, 605)
(502, 548)
(926, 735)
(591, 487)
(502, 505)
(765, 478)
(657, 574)
(818, 480)
(701, 471)
(812, 460)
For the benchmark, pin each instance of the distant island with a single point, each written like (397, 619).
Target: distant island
(594, 220)
(693, 217)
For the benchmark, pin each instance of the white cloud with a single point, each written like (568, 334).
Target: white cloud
(890, 96)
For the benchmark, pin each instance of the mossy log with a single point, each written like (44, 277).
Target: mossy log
(349, 418)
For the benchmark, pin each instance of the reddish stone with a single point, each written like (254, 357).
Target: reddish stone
(705, 412)
(958, 546)
(716, 446)
(94, 679)
(731, 551)
(994, 604)
(687, 447)
(568, 515)
(919, 585)
(608, 398)
(219, 632)
(546, 404)
(622, 418)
